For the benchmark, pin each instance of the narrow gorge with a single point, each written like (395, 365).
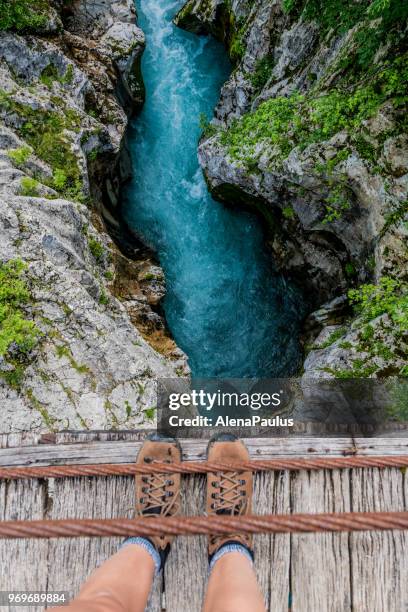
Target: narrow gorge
(225, 307)
(280, 250)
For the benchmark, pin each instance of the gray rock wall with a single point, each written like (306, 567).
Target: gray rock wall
(63, 114)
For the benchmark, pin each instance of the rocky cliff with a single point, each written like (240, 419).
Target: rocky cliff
(72, 355)
(310, 130)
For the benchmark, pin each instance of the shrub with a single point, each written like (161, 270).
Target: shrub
(15, 328)
(283, 123)
(390, 297)
(23, 14)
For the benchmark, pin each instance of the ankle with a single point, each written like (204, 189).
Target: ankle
(150, 548)
(232, 546)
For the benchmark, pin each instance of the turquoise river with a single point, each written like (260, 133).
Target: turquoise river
(225, 307)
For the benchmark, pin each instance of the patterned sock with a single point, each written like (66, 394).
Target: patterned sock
(149, 547)
(229, 547)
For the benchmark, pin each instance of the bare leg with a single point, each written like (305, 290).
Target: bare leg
(121, 584)
(233, 586)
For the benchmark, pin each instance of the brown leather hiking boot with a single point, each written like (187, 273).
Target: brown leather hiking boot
(228, 493)
(158, 495)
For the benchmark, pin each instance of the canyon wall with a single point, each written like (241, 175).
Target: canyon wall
(310, 131)
(75, 311)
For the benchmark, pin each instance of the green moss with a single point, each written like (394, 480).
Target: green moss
(47, 418)
(150, 413)
(358, 371)
(63, 350)
(51, 74)
(345, 345)
(16, 330)
(29, 187)
(23, 14)
(20, 156)
(236, 42)
(395, 217)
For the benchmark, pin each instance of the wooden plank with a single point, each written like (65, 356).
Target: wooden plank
(272, 552)
(363, 572)
(320, 573)
(84, 498)
(187, 565)
(24, 563)
(379, 560)
(124, 451)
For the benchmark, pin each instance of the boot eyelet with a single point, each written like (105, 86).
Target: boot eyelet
(242, 482)
(147, 460)
(214, 483)
(214, 495)
(141, 500)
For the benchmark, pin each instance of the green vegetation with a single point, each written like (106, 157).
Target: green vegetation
(262, 72)
(360, 88)
(45, 132)
(97, 249)
(375, 20)
(398, 410)
(390, 297)
(288, 212)
(16, 330)
(236, 42)
(206, 127)
(14, 378)
(63, 350)
(283, 123)
(334, 336)
(103, 298)
(20, 156)
(23, 14)
(150, 413)
(29, 187)
(50, 75)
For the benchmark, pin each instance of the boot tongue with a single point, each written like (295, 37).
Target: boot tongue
(228, 511)
(155, 510)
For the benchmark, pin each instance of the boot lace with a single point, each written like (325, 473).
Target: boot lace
(231, 498)
(157, 498)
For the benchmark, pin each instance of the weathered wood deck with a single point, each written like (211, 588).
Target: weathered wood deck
(359, 572)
